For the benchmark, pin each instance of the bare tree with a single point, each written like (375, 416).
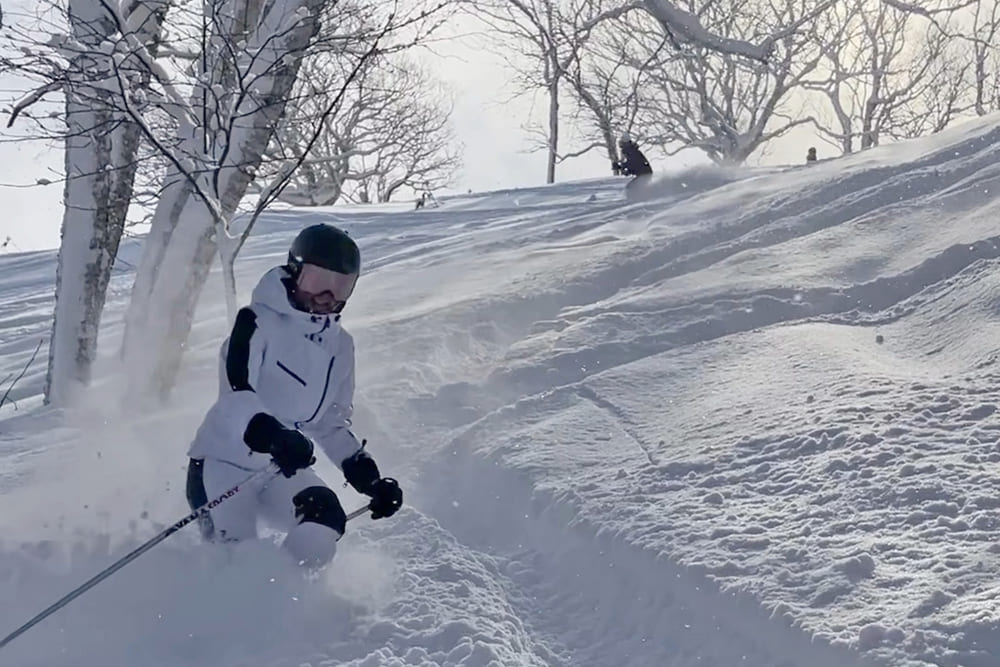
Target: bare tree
(549, 35)
(837, 34)
(791, 46)
(416, 148)
(604, 85)
(665, 44)
(726, 106)
(942, 94)
(391, 131)
(887, 72)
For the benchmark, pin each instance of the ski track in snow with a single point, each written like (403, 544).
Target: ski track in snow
(749, 420)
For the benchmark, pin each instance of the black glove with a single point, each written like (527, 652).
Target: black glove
(289, 449)
(387, 497)
(361, 472)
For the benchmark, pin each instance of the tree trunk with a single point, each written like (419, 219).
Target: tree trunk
(96, 199)
(550, 172)
(228, 250)
(84, 264)
(155, 351)
(182, 244)
(168, 210)
(979, 54)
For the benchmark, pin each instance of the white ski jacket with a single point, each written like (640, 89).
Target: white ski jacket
(294, 366)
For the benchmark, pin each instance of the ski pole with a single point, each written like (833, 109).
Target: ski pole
(131, 556)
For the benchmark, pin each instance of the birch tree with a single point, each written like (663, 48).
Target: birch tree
(212, 167)
(101, 156)
(247, 97)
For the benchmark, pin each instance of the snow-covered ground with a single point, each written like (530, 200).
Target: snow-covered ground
(748, 421)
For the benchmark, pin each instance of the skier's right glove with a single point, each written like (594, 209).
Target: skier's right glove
(289, 449)
(387, 497)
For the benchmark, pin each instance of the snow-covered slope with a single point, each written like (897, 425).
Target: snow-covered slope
(749, 420)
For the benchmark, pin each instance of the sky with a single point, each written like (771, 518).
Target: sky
(32, 213)
(486, 120)
(740, 417)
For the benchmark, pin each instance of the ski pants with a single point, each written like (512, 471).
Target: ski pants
(265, 498)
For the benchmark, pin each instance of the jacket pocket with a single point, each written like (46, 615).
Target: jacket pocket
(290, 372)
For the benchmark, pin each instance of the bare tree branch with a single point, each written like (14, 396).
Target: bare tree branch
(3, 399)
(32, 97)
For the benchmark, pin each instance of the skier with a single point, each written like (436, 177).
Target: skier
(287, 378)
(632, 162)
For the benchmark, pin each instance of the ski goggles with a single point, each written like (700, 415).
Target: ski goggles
(323, 291)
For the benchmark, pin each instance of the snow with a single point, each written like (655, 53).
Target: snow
(748, 420)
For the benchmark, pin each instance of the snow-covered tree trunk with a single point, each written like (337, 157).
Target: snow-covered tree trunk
(172, 200)
(84, 256)
(100, 158)
(179, 255)
(228, 250)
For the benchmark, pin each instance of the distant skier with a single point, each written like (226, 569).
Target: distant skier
(426, 200)
(287, 378)
(632, 162)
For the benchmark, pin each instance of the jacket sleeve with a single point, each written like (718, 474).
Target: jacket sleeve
(332, 431)
(242, 356)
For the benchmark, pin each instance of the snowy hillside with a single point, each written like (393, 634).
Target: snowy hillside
(751, 420)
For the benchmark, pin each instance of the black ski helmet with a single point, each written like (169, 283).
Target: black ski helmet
(325, 246)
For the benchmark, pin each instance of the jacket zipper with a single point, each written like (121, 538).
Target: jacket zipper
(326, 387)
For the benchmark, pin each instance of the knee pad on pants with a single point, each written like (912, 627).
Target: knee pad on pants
(319, 504)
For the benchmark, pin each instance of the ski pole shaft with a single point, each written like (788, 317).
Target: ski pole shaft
(358, 512)
(131, 556)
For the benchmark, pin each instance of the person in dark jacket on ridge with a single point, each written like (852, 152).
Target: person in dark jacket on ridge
(632, 161)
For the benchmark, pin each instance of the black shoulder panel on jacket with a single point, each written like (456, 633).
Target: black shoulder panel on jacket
(238, 355)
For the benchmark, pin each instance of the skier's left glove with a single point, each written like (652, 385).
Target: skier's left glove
(361, 472)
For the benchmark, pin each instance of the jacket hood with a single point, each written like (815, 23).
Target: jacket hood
(272, 293)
